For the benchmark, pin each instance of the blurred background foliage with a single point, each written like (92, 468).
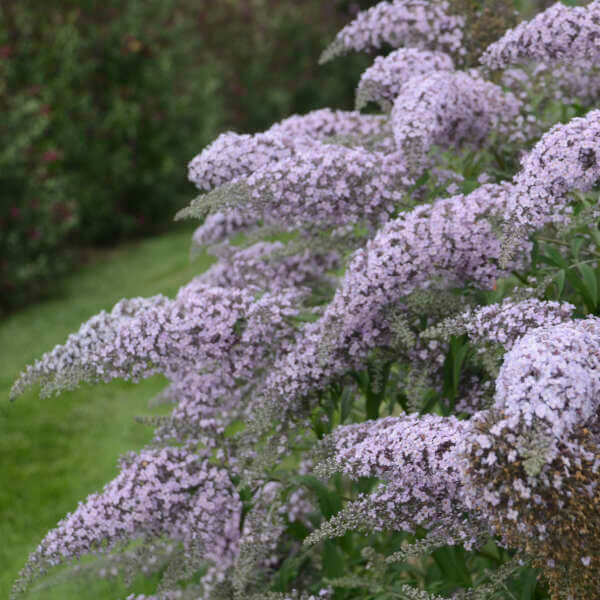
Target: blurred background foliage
(104, 103)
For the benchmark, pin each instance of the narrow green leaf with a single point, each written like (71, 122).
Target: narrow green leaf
(559, 279)
(591, 283)
(528, 584)
(329, 501)
(553, 257)
(580, 286)
(333, 560)
(576, 244)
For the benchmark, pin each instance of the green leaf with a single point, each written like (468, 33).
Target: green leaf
(528, 583)
(452, 562)
(288, 571)
(576, 244)
(333, 560)
(329, 501)
(460, 355)
(591, 284)
(580, 286)
(560, 283)
(553, 257)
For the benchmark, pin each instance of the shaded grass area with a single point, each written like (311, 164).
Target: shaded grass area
(54, 452)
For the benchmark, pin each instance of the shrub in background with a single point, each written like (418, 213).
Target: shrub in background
(269, 49)
(401, 399)
(104, 104)
(36, 212)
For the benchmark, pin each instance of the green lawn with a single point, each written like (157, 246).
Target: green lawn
(55, 452)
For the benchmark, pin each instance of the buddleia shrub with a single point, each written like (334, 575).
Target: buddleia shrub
(387, 385)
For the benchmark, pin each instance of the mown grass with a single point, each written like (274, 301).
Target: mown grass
(54, 452)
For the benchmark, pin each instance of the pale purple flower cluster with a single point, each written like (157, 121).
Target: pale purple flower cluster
(449, 108)
(327, 123)
(258, 266)
(200, 328)
(418, 23)
(165, 492)
(384, 80)
(560, 33)
(76, 359)
(234, 155)
(506, 323)
(418, 456)
(414, 450)
(549, 380)
(564, 160)
(438, 468)
(205, 404)
(533, 461)
(450, 241)
(219, 226)
(326, 186)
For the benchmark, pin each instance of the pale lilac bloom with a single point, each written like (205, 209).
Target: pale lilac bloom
(448, 109)
(563, 161)
(507, 322)
(234, 155)
(164, 492)
(419, 23)
(450, 241)
(324, 186)
(560, 33)
(199, 329)
(385, 79)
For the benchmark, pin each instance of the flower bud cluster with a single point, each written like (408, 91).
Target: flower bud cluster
(165, 492)
(417, 23)
(564, 160)
(326, 186)
(449, 108)
(560, 33)
(384, 80)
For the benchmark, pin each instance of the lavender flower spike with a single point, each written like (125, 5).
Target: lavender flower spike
(419, 456)
(506, 323)
(324, 186)
(166, 492)
(564, 160)
(419, 23)
(448, 109)
(233, 155)
(560, 33)
(534, 459)
(197, 330)
(384, 80)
